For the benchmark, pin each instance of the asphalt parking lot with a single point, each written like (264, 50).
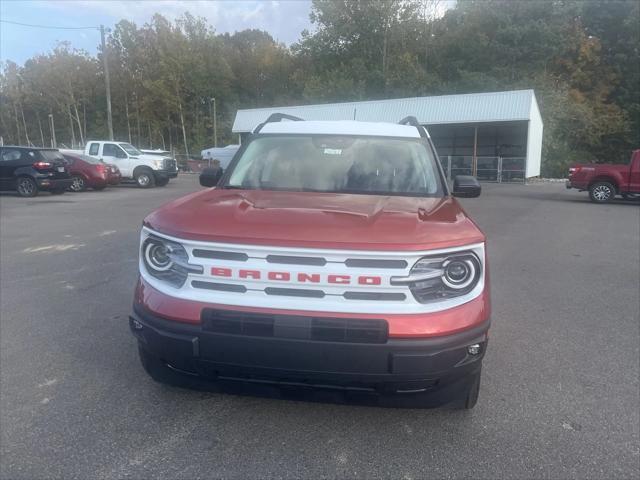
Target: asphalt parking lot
(560, 395)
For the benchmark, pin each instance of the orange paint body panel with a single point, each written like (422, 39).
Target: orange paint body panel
(471, 314)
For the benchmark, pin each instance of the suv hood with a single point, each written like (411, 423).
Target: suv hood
(317, 220)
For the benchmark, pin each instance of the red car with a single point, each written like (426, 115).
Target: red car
(88, 172)
(604, 181)
(329, 255)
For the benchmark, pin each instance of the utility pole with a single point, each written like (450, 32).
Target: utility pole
(107, 82)
(215, 123)
(54, 143)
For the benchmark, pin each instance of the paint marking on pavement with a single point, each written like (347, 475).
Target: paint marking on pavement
(54, 248)
(48, 383)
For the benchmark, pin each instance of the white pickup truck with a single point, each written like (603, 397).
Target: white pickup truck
(147, 170)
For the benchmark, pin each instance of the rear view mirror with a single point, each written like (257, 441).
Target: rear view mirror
(210, 176)
(466, 186)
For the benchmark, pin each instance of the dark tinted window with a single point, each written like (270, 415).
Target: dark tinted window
(9, 155)
(110, 150)
(93, 149)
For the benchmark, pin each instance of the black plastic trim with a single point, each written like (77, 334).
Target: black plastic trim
(223, 287)
(215, 254)
(277, 117)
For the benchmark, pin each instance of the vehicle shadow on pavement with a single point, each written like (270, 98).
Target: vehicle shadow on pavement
(631, 203)
(308, 395)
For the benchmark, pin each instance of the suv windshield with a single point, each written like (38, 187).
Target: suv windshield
(130, 149)
(349, 164)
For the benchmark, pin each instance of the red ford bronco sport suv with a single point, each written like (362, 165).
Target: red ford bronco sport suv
(329, 255)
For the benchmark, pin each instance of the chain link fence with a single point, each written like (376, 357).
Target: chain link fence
(487, 169)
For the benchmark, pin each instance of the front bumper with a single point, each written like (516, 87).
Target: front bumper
(436, 369)
(114, 179)
(165, 173)
(577, 184)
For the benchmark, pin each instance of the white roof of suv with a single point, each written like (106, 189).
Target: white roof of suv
(342, 127)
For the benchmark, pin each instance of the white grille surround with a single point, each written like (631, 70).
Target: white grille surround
(287, 292)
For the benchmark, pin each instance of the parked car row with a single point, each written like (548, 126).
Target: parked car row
(29, 170)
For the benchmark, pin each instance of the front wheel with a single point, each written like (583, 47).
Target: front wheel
(162, 182)
(145, 179)
(602, 192)
(27, 187)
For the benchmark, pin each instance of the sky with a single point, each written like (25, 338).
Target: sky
(283, 19)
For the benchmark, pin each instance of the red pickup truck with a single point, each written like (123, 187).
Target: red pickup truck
(605, 181)
(328, 255)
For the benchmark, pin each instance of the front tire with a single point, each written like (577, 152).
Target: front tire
(145, 179)
(162, 182)
(78, 184)
(26, 187)
(602, 192)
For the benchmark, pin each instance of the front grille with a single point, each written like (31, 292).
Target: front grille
(222, 287)
(294, 292)
(300, 292)
(217, 255)
(321, 329)
(169, 164)
(295, 260)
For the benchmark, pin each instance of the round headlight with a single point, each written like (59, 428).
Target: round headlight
(157, 256)
(459, 273)
(167, 260)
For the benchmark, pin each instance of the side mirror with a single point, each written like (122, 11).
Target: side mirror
(121, 154)
(210, 176)
(466, 186)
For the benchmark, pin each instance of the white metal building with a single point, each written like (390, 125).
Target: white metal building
(496, 136)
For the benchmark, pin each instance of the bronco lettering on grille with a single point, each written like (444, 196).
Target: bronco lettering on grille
(282, 276)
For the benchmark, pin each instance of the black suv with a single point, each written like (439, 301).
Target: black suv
(29, 170)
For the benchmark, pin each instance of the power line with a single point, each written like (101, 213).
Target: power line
(49, 26)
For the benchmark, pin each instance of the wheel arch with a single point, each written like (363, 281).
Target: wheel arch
(142, 168)
(79, 174)
(605, 178)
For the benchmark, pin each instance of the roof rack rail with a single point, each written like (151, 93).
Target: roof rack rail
(277, 117)
(413, 121)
